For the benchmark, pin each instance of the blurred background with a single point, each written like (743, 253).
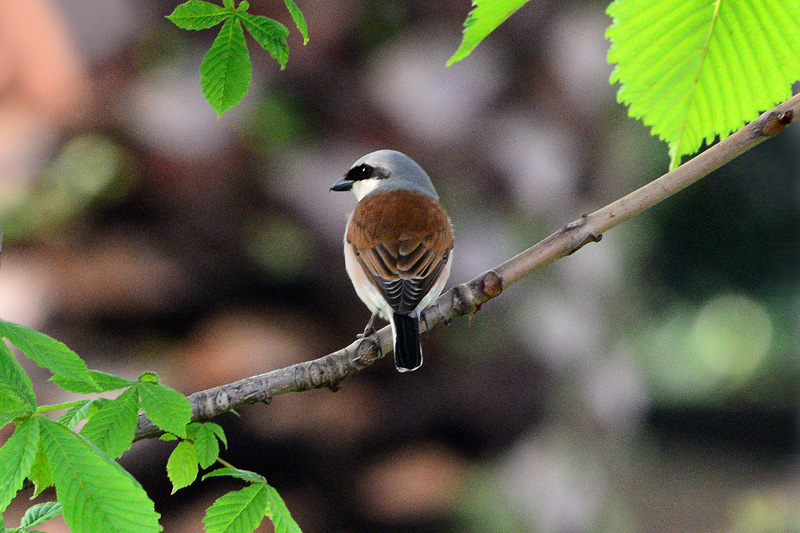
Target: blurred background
(648, 383)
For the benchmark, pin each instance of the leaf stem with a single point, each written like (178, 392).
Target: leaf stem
(223, 462)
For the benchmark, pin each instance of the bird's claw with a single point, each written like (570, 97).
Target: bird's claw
(369, 331)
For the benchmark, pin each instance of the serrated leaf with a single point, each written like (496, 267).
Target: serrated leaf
(195, 427)
(298, 18)
(165, 407)
(279, 513)
(226, 72)
(113, 427)
(109, 461)
(205, 443)
(80, 411)
(40, 473)
(9, 416)
(16, 459)
(228, 3)
(102, 382)
(694, 69)
(219, 432)
(16, 389)
(245, 475)
(149, 377)
(10, 402)
(239, 511)
(110, 382)
(40, 513)
(270, 34)
(47, 353)
(199, 15)
(484, 18)
(95, 495)
(182, 465)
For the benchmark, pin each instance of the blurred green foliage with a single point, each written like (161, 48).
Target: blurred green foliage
(88, 169)
(280, 246)
(714, 351)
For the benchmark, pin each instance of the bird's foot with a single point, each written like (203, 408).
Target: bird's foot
(370, 329)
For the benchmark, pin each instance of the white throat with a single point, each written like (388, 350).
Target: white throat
(364, 187)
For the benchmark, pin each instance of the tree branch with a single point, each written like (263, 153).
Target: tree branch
(330, 370)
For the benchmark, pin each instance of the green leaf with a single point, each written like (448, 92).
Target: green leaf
(205, 442)
(149, 377)
(40, 473)
(228, 3)
(226, 72)
(298, 18)
(113, 427)
(95, 494)
(198, 15)
(167, 408)
(81, 410)
(245, 475)
(218, 431)
(110, 382)
(16, 459)
(9, 416)
(270, 34)
(481, 21)
(279, 513)
(48, 353)
(40, 513)
(103, 382)
(182, 465)
(695, 69)
(16, 389)
(239, 511)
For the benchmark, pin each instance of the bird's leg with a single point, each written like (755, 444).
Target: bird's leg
(369, 330)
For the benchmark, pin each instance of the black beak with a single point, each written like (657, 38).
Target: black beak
(343, 184)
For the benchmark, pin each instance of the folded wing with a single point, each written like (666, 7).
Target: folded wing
(405, 248)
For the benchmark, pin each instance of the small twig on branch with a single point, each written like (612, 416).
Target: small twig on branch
(330, 370)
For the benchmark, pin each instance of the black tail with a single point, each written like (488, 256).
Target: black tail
(407, 350)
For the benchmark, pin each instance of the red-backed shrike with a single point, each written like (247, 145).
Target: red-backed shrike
(398, 245)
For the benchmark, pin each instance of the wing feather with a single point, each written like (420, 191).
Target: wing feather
(402, 240)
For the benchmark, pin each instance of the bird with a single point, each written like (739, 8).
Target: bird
(398, 246)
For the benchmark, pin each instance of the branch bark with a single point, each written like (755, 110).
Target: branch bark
(467, 298)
